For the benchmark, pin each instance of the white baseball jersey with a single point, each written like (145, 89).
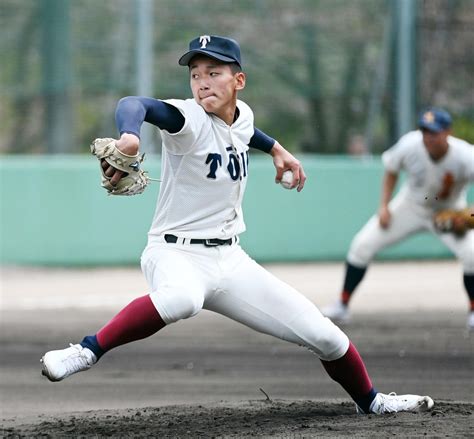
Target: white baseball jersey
(433, 185)
(204, 173)
(430, 186)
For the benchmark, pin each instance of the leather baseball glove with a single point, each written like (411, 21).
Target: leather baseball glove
(134, 181)
(454, 221)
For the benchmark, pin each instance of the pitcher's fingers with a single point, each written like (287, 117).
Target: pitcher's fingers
(110, 171)
(296, 177)
(302, 180)
(279, 174)
(116, 177)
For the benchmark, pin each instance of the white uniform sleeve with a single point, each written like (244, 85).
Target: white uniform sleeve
(245, 122)
(195, 118)
(393, 158)
(469, 161)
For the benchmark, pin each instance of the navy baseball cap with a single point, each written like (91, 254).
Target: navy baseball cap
(224, 49)
(435, 120)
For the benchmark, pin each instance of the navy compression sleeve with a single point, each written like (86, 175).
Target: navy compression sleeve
(261, 141)
(132, 111)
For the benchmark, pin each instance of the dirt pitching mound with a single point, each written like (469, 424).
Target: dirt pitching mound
(254, 418)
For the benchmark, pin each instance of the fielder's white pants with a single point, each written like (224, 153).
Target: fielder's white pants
(185, 278)
(407, 219)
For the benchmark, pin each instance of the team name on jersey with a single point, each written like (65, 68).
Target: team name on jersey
(237, 163)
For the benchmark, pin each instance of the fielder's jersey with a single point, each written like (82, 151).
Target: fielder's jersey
(433, 185)
(204, 173)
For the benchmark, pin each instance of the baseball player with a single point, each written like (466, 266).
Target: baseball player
(193, 259)
(439, 168)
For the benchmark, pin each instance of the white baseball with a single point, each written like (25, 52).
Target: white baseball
(287, 179)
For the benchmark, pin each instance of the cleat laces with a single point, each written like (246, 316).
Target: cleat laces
(77, 361)
(389, 405)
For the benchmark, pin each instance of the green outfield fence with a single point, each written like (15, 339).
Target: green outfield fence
(54, 213)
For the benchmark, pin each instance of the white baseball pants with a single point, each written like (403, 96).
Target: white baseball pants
(407, 219)
(185, 278)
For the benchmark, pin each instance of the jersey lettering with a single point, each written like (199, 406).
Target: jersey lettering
(233, 167)
(236, 167)
(245, 161)
(448, 183)
(215, 160)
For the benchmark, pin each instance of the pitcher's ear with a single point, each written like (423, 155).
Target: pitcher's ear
(240, 78)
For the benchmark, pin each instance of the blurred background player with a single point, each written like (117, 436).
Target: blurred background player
(193, 259)
(439, 168)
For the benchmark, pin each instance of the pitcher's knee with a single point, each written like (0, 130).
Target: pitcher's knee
(174, 306)
(323, 337)
(331, 344)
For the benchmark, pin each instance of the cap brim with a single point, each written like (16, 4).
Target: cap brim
(434, 128)
(184, 60)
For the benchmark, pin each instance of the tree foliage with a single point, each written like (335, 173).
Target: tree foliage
(312, 66)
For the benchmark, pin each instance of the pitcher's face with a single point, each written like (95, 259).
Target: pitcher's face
(214, 85)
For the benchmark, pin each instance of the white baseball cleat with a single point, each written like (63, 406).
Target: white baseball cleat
(470, 321)
(60, 364)
(393, 403)
(338, 312)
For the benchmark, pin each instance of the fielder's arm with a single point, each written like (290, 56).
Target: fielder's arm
(388, 185)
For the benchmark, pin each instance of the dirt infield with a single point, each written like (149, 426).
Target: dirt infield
(286, 419)
(202, 377)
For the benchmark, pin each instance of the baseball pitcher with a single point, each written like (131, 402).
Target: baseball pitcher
(193, 259)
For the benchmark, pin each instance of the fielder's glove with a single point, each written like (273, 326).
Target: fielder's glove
(454, 221)
(134, 181)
